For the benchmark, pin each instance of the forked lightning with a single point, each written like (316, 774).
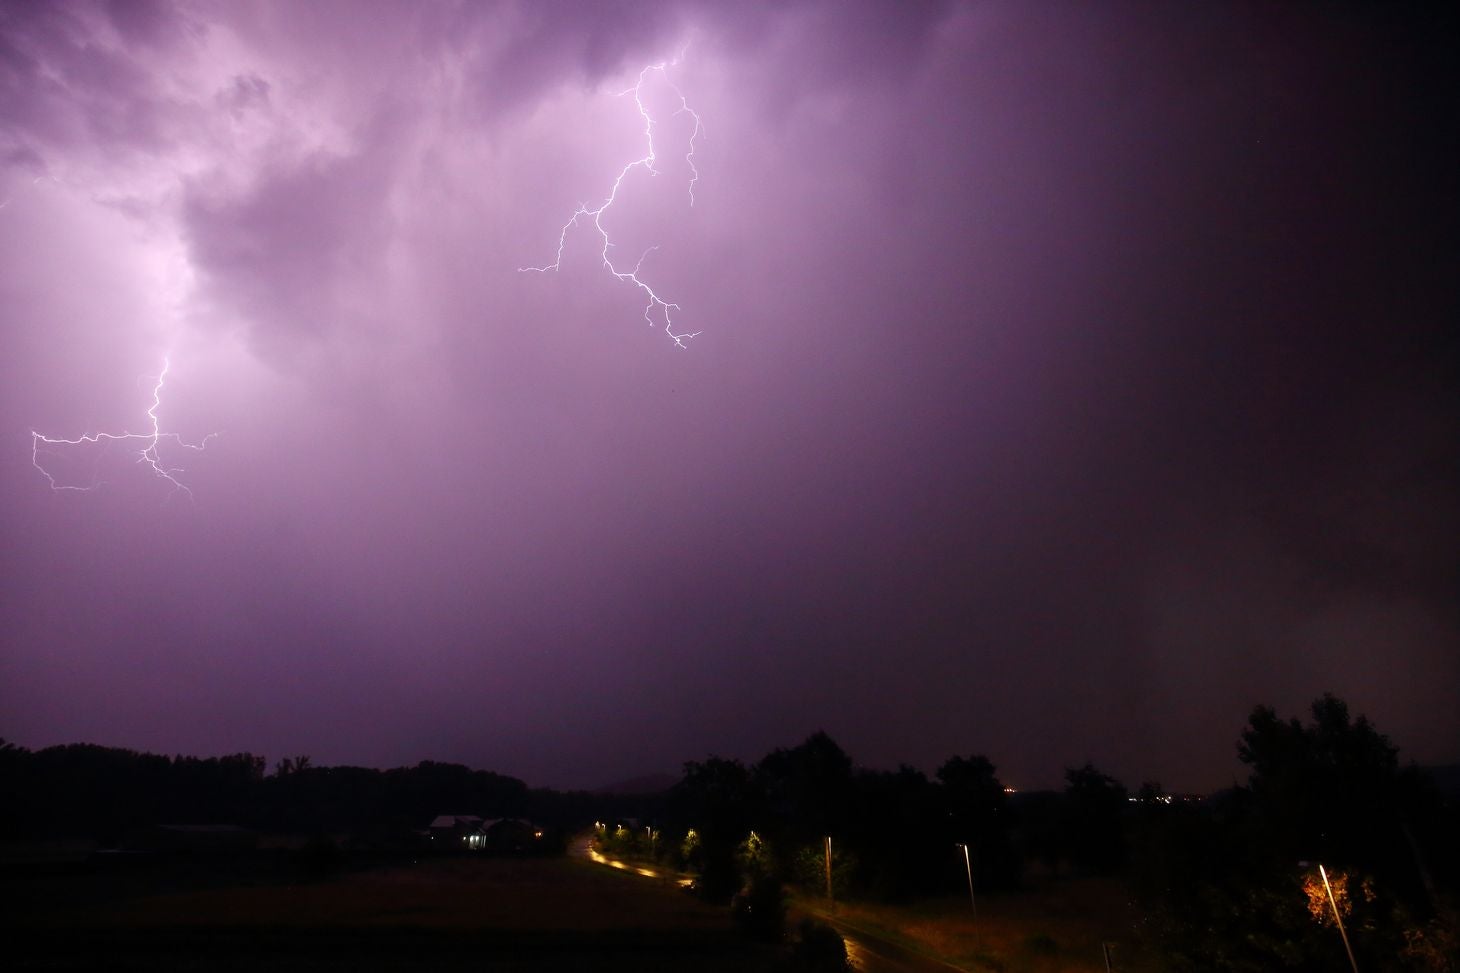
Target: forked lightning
(656, 306)
(41, 445)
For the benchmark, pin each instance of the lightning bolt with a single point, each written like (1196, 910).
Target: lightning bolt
(655, 306)
(41, 444)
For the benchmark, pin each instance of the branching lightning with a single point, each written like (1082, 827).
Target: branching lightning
(148, 452)
(655, 306)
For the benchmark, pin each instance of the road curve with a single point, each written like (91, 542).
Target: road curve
(866, 951)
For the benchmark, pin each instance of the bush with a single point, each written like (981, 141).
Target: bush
(717, 880)
(809, 869)
(818, 949)
(759, 909)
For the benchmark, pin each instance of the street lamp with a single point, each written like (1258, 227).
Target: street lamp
(828, 873)
(968, 867)
(1336, 918)
(1333, 904)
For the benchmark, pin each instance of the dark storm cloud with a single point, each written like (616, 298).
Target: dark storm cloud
(147, 24)
(282, 250)
(248, 91)
(1072, 379)
(68, 79)
(834, 42)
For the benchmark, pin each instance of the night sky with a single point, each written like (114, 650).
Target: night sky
(1071, 378)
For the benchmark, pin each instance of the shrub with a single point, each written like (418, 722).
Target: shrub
(759, 909)
(818, 949)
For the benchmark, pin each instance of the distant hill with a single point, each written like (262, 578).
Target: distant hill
(650, 784)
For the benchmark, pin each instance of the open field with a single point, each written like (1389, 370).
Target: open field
(479, 914)
(1054, 924)
(1051, 926)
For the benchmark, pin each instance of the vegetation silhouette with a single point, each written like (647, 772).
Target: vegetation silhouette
(1227, 882)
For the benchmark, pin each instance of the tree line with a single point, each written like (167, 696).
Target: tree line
(107, 793)
(1229, 882)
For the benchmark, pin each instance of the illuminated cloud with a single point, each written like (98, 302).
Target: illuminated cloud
(1069, 380)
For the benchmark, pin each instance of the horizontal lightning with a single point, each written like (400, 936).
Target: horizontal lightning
(655, 306)
(147, 453)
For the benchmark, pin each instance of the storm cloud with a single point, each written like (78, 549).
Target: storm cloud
(1069, 380)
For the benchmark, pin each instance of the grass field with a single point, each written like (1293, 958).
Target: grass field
(506, 915)
(446, 914)
(1051, 926)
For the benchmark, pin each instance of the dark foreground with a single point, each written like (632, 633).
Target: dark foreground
(457, 914)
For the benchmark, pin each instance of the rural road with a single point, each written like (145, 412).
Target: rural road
(869, 953)
(866, 951)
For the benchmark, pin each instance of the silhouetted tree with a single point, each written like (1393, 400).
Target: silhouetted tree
(292, 765)
(715, 800)
(976, 809)
(1094, 807)
(898, 833)
(1224, 885)
(1038, 828)
(1330, 790)
(807, 790)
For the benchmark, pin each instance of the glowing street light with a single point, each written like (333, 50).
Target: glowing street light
(1332, 904)
(968, 868)
(1336, 918)
(829, 897)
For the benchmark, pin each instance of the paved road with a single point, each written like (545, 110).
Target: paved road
(867, 952)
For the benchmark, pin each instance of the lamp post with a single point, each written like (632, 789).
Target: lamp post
(1336, 918)
(968, 868)
(829, 898)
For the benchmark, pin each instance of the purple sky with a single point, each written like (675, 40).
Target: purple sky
(1072, 378)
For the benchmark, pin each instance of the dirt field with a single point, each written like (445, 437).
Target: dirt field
(458, 914)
